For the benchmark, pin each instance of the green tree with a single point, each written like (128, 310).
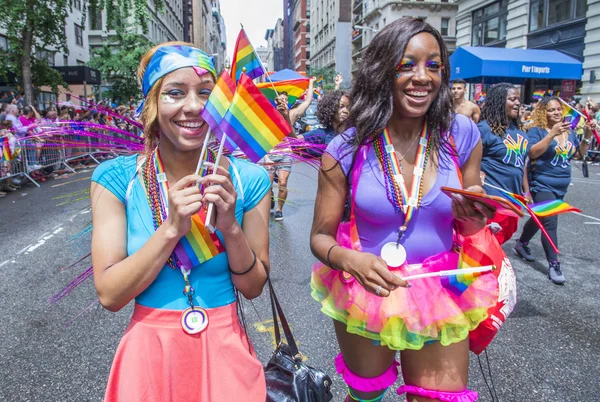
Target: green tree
(118, 62)
(328, 75)
(40, 24)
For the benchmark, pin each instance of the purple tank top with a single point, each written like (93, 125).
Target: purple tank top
(430, 230)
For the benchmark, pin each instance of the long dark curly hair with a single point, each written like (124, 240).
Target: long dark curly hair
(372, 95)
(328, 106)
(494, 110)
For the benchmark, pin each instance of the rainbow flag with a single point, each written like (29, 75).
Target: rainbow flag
(553, 207)
(244, 56)
(319, 81)
(577, 119)
(198, 245)
(217, 106)
(252, 121)
(294, 88)
(538, 95)
(458, 283)
(6, 152)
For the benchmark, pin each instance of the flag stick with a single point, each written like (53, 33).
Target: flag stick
(593, 131)
(441, 274)
(209, 214)
(529, 210)
(203, 152)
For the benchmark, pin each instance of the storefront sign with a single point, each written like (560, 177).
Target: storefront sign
(567, 89)
(478, 91)
(79, 75)
(541, 70)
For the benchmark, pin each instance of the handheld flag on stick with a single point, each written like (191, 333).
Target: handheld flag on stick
(538, 95)
(293, 88)
(217, 106)
(470, 267)
(252, 121)
(577, 119)
(593, 131)
(551, 208)
(520, 201)
(244, 56)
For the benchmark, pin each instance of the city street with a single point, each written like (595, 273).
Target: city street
(548, 350)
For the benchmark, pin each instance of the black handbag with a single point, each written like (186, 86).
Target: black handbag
(584, 168)
(288, 378)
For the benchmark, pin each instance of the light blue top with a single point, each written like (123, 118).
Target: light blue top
(211, 280)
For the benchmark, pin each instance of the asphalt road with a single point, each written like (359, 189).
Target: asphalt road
(548, 350)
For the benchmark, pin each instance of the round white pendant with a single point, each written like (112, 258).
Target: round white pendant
(194, 320)
(393, 254)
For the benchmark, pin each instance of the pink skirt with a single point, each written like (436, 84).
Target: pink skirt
(157, 361)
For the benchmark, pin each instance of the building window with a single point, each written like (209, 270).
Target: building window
(445, 25)
(545, 13)
(95, 19)
(65, 60)
(78, 35)
(80, 63)
(489, 24)
(3, 42)
(77, 4)
(43, 54)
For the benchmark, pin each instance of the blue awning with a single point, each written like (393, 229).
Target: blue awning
(494, 64)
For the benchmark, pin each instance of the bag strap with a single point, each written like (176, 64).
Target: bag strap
(277, 311)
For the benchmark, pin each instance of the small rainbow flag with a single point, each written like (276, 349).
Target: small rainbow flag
(538, 95)
(577, 119)
(6, 152)
(198, 245)
(316, 94)
(319, 81)
(217, 105)
(244, 56)
(294, 88)
(458, 283)
(252, 121)
(553, 207)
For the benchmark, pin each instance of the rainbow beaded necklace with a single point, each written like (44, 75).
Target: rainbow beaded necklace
(198, 245)
(396, 189)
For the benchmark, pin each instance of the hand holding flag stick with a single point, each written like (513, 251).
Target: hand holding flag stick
(452, 272)
(210, 220)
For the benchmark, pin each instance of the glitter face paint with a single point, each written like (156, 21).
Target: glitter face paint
(199, 71)
(408, 67)
(167, 99)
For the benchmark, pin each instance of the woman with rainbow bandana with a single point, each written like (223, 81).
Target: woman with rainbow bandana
(150, 245)
(404, 145)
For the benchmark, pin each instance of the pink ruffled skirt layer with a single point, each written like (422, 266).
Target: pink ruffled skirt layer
(157, 361)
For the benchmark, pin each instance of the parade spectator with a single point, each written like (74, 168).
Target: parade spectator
(505, 148)
(402, 115)
(186, 345)
(333, 111)
(12, 115)
(462, 105)
(553, 145)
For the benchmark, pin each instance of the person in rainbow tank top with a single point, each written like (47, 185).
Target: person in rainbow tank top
(404, 144)
(149, 244)
(505, 148)
(553, 145)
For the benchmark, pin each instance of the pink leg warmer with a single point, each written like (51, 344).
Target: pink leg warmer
(463, 396)
(366, 384)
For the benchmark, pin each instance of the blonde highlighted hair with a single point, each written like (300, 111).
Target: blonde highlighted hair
(149, 115)
(540, 117)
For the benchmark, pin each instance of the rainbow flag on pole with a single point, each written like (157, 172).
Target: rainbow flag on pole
(244, 56)
(294, 88)
(217, 106)
(252, 121)
(458, 283)
(553, 207)
(7, 154)
(577, 119)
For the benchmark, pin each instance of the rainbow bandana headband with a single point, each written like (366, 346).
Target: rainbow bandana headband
(170, 58)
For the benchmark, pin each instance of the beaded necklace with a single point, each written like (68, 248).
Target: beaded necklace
(396, 189)
(156, 186)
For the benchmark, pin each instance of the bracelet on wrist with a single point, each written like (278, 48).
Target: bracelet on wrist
(249, 269)
(329, 255)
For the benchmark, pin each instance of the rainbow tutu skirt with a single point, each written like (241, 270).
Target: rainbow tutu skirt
(409, 317)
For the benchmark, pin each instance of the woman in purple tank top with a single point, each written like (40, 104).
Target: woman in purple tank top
(404, 145)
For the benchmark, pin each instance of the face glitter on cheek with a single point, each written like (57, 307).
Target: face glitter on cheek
(165, 98)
